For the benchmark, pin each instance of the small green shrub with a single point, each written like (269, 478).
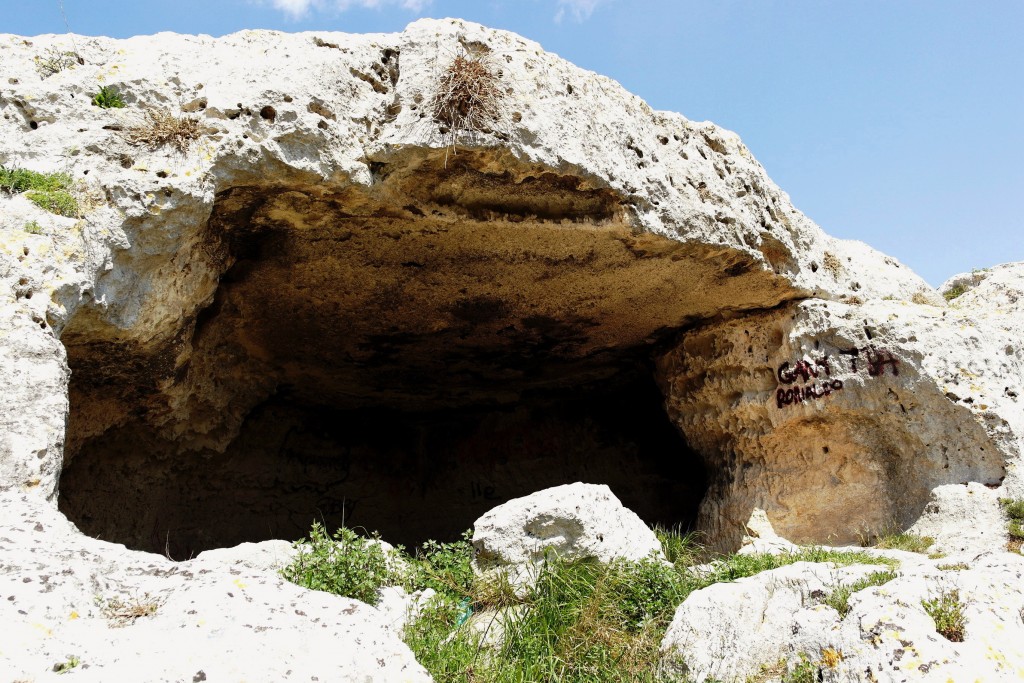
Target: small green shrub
(445, 567)
(108, 98)
(804, 672)
(839, 599)
(959, 566)
(954, 291)
(48, 191)
(60, 202)
(33, 228)
(15, 180)
(946, 611)
(346, 564)
(905, 541)
(54, 61)
(1014, 508)
(67, 665)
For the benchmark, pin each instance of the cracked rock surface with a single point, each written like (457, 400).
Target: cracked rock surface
(330, 305)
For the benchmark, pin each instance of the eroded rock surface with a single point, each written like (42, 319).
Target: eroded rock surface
(326, 309)
(109, 613)
(839, 420)
(764, 624)
(575, 522)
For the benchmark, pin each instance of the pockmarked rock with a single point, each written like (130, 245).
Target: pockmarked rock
(843, 421)
(573, 522)
(779, 620)
(108, 613)
(176, 354)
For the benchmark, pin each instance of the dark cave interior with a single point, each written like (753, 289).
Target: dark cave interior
(410, 476)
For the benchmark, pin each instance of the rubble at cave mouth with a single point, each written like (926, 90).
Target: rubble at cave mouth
(400, 357)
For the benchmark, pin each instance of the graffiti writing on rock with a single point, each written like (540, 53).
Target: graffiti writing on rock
(810, 380)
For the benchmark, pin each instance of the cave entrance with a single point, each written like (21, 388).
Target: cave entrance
(409, 475)
(400, 357)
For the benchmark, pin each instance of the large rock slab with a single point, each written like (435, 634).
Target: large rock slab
(842, 421)
(732, 631)
(574, 522)
(125, 615)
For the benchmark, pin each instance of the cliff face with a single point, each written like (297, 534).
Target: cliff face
(323, 293)
(334, 293)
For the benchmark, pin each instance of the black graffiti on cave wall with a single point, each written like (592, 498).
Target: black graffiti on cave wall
(810, 380)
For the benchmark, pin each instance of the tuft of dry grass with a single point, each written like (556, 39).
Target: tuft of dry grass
(467, 97)
(124, 613)
(162, 128)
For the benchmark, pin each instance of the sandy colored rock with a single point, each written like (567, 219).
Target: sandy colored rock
(840, 420)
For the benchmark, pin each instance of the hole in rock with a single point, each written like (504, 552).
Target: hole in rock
(403, 371)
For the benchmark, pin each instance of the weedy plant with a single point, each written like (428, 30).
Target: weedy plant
(67, 665)
(954, 291)
(33, 228)
(578, 621)
(346, 564)
(903, 540)
(125, 612)
(468, 98)
(163, 129)
(805, 671)
(839, 599)
(49, 191)
(54, 60)
(108, 97)
(947, 612)
(1014, 509)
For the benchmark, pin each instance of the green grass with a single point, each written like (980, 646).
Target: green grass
(905, 541)
(804, 672)
(33, 228)
(49, 191)
(680, 548)
(1014, 509)
(839, 599)
(954, 291)
(946, 611)
(580, 621)
(108, 98)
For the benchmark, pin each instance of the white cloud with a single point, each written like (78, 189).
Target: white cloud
(579, 9)
(297, 9)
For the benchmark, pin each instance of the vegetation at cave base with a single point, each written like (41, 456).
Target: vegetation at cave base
(580, 620)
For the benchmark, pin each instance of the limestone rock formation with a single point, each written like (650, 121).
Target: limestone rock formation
(732, 631)
(334, 304)
(574, 521)
(846, 418)
(108, 613)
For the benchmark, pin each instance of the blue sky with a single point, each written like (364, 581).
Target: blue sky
(897, 122)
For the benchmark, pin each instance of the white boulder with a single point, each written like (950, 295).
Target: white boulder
(573, 521)
(776, 620)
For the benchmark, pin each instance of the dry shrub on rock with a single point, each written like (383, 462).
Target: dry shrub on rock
(468, 97)
(161, 128)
